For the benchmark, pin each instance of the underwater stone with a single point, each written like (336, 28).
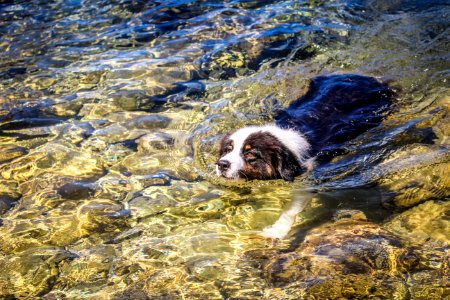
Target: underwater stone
(158, 203)
(90, 78)
(355, 215)
(152, 253)
(345, 259)
(67, 107)
(77, 190)
(430, 281)
(42, 82)
(90, 269)
(5, 204)
(131, 100)
(149, 122)
(125, 73)
(115, 153)
(185, 170)
(102, 216)
(128, 234)
(67, 160)
(115, 132)
(416, 185)
(414, 174)
(131, 293)
(166, 283)
(38, 270)
(143, 164)
(205, 268)
(113, 186)
(223, 65)
(9, 189)
(95, 111)
(155, 141)
(421, 223)
(8, 153)
(157, 179)
(22, 168)
(46, 181)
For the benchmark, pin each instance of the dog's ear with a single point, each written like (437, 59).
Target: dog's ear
(223, 143)
(286, 165)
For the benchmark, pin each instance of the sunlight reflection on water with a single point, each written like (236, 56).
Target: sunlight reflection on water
(110, 117)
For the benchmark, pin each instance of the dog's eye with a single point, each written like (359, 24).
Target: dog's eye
(228, 148)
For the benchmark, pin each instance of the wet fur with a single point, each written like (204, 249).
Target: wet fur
(335, 109)
(268, 158)
(263, 152)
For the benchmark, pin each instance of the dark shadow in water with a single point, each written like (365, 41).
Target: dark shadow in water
(183, 90)
(365, 199)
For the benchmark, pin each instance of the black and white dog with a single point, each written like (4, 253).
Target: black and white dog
(335, 109)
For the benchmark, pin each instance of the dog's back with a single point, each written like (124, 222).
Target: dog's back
(337, 108)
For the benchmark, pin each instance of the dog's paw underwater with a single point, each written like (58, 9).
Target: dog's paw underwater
(335, 109)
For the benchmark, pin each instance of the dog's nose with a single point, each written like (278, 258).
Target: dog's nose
(223, 165)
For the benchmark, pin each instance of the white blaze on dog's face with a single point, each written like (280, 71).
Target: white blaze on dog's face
(263, 152)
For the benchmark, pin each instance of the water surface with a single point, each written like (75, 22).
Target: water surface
(110, 117)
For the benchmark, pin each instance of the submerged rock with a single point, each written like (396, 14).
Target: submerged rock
(131, 100)
(77, 190)
(415, 174)
(157, 179)
(66, 160)
(101, 216)
(155, 142)
(149, 122)
(350, 258)
(181, 167)
(205, 268)
(90, 269)
(143, 207)
(9, 152)
(430, 279)
(6, 203)
(427, 228)
(32, 273)
(426, 221)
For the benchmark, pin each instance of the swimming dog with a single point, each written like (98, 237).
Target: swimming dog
(312, 129)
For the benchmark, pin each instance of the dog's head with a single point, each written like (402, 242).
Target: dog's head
(265, 152)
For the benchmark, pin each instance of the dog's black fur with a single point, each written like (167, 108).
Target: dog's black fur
(336, 109)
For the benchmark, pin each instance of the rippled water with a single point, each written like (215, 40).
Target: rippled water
(110, 116)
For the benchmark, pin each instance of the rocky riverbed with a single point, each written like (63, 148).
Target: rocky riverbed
(110, 117)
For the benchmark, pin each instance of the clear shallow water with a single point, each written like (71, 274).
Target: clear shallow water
(110, 115)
